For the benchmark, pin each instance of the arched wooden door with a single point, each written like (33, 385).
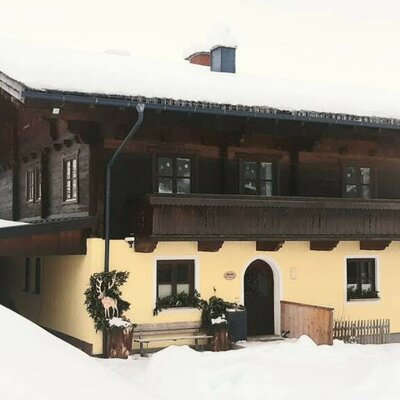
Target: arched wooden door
(259, 298)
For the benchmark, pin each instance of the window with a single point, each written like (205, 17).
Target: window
(27, 275)
(71, 179)
(33, 184)
(257, 178)
(30, 185)
(38, 184)
(357, 182)
(361, 278)
(174, 175)
(38, 275)
(174, 277)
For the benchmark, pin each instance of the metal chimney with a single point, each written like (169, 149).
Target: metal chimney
(223, 59)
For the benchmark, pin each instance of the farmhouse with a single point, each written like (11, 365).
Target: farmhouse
(254, 189)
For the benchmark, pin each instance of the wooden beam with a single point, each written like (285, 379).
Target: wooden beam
(209, 245)
(374, 244)
(269, 245)
(68, 242)
(323, 245)
(144, 246)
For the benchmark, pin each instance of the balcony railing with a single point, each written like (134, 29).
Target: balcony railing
(238, 217)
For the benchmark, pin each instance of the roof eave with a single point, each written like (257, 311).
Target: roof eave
(214, 108)
(12, 87)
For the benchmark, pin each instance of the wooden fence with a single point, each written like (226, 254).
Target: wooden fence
(305, 319)
(375, 331)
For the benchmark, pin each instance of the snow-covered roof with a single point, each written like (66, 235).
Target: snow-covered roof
(7, 224)
(56, 69)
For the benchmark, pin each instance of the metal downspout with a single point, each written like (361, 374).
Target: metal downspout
(111, 161)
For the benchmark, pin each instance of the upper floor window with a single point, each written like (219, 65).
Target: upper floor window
(174, 175)
(71, 179)
(33, 184)
(175, 277)
(361, 278)
(358, 182)
(30, 185)
(257, 178)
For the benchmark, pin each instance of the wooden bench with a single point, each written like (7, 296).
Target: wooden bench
(175, 331)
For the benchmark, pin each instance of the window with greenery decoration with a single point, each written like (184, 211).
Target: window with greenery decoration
(361, 279)
(174, 277)
(175, 284)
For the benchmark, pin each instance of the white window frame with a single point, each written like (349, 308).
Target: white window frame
(66, 161)
(196, 274)
(377, 279)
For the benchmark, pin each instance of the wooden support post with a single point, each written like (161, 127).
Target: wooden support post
(144, 246)
(374, 244)
(269, 245)
(323, 245)
(210, 245)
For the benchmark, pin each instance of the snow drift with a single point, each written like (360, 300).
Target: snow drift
(36, 365)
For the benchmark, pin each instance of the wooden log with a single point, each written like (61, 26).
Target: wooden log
(119, 341)
(220, 340)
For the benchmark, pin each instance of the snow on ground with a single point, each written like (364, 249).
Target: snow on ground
(35, 365)
(6, 224)
(275, 371)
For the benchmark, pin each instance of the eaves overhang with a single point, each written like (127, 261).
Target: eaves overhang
(196, 107)
(22, 93)
(12, 87)
(66, 237)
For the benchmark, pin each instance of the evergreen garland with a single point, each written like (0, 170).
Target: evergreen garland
(93, 304)
(354, 293)
(178, 300)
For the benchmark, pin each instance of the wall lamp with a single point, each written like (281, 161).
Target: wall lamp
(130, 240)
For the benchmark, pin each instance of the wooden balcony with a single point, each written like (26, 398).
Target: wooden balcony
(237, 217)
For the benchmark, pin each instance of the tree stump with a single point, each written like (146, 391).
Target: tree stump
(220, 340)
(119, 341)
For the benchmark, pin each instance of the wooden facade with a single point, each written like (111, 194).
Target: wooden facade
(42, 239)
(308, 164)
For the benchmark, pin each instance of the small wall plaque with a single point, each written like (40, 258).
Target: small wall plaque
(230, 275)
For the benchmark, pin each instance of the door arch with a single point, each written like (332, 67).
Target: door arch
(259, 298)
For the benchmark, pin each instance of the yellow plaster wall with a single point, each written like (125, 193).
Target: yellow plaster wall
(60, 304)
(320, 278)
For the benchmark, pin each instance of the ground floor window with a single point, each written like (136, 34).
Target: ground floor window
(38, 275)
(361, 278)
(27, 278)
(174, 277)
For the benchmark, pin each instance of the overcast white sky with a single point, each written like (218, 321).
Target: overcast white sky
(352, 41)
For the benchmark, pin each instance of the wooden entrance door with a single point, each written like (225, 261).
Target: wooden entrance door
(259, 298)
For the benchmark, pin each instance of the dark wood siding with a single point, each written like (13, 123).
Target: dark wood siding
(56, 184)
(309, 158)
(131, 178)
(6, 195)
(233, 217)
